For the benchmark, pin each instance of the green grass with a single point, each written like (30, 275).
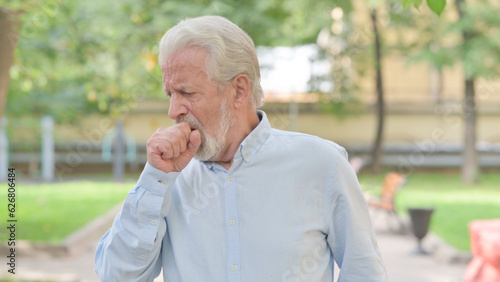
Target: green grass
(455, 204)
(50, 212)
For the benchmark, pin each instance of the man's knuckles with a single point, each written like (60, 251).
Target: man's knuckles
(181, 133)
(172, 135)
(169, 147)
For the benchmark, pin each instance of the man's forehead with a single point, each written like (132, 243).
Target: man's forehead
(189, 58)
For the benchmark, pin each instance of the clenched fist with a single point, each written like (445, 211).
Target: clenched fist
(171, 149)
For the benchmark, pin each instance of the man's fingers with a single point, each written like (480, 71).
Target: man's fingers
(166, 151)
(194, 141)
(185, 128)
(182, 148)
(171, 149)
(175, 147)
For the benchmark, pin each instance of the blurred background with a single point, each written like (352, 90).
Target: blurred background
(405, 86)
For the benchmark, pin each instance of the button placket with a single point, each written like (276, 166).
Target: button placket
(233, 237)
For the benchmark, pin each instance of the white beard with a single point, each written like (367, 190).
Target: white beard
(211, 145)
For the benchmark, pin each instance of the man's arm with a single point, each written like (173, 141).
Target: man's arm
(130, 250)
(351, 237)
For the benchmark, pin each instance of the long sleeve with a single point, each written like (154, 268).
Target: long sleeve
(130, 250)
(351, 237)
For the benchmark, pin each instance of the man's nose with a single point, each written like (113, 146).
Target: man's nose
(177, 107)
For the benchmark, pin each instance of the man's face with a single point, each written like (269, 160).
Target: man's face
(194, 99)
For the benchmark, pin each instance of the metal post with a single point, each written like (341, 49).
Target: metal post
(294, 115)
(118, 160)
(48, 154)
(4, 150)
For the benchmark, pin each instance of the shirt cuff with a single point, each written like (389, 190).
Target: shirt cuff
(155, 180)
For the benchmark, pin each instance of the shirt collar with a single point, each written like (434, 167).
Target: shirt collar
(252, 143)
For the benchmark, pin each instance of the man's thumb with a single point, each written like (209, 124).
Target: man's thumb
(194, 141)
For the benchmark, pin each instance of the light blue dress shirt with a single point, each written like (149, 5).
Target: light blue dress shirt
(286, 209)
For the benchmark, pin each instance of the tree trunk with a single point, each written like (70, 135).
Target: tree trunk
(376, 165)
(470, 167)
(8, 42)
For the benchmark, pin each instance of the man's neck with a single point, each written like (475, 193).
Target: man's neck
(242, 130)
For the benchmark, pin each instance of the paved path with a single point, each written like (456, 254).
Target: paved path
(401, 265)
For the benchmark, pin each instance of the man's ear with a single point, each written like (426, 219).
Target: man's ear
(241, 84)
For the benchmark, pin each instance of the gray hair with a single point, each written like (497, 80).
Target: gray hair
(230, 50)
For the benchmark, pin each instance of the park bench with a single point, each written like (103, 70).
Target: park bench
(393, 181)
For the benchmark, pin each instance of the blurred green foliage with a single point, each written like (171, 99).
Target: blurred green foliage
(349, 46)
(77, 57)
(441, 45)
(437, 6)
(100, 56)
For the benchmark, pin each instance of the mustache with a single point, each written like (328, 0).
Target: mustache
(193, 122)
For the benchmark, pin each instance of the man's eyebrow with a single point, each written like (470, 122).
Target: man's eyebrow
(180, 89)
(165, 90)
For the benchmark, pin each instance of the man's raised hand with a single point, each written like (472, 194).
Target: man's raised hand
(171, 149)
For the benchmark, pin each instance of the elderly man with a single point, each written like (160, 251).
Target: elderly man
(223, 196)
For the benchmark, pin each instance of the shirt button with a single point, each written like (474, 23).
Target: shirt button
(230, 178)
(232, 222)
(234, 267)
(163, 182)
(247, 157)
(153, 222)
